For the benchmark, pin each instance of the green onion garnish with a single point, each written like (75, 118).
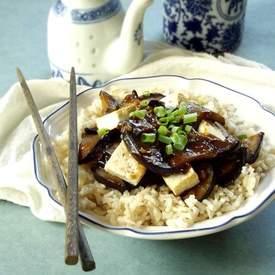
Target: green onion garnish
(102, 132)
(190, 118)
(188, 128)
(162, 130)
(179, 141)
(175, 113)
(176, 119)
(146, 94)
(169, 149)
(165, 139)
(174, 129)
(168, 111)
(144, 103)
(242, 137)
(138, 113)
(148, 137)
(164, 120)
(159, 111)
(182, 109)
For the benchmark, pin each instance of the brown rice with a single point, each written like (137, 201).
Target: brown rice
(158, 206)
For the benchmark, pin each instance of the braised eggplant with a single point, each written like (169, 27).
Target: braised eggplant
(151, 156)
(229, 167)
(152, 96)
(130, 99)
(86, 146)
(204, 114)
(253, 145)
(203, 189)
(151, 178)
(164, 142)
(99, 150)
(110, 180)
(108, 102)
(201, 147)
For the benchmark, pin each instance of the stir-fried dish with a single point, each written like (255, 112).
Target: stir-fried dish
(155, 140)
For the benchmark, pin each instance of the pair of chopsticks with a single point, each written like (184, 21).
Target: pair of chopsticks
(75, 241)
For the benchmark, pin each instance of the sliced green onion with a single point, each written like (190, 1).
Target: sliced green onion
(165, 139)
(168, 111)
(188, 128)
(176, 119)
(175, 113)
(174, 129)
(144, 103)
(179, 147)
(159, 111)
(190, 118)
(164, 120)
(146, 93)
(138, 113)
(148, 137)
(162, 130)
(182, 109)
(242, 137)
(175, 138)
(102, 132)
(169, 149)
(179, 141)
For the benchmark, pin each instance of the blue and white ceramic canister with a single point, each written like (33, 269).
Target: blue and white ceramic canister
(213, 26)
(95, 38)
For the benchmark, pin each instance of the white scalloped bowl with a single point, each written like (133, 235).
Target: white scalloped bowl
(264, 194)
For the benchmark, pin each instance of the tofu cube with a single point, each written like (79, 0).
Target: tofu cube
(111, 120)
(208, 128)
(123, 165)
(181, 182)
(172, 101)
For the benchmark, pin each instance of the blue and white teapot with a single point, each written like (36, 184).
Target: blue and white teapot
(94, 37)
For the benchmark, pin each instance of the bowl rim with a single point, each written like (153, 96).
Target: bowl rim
(229, 221)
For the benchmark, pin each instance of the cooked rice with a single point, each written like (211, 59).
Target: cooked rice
(157, 205)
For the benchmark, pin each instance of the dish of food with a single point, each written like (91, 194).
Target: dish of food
(157, 157)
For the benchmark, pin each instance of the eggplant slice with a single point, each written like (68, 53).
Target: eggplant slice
(153, 96)
(150, 179)
(202, 147)
(253, 145)
(138, 126)
(203, 189)
(204, 114)
(110, 180)
(101, 148)
(109, 103)
(150, 156)
(228, 168)
(130, 99)
(87, 144)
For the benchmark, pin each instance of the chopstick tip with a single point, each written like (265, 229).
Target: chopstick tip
(19, 73)
(72, 76)
(71, 260)
(73, 71)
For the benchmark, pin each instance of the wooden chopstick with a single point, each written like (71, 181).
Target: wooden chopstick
(71, 241)
(86, 256)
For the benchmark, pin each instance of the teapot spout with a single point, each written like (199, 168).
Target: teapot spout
(126, 52)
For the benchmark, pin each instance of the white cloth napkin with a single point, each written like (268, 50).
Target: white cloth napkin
(17, 181)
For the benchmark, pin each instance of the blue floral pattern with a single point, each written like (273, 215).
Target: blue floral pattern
(82, 16)
(80, 79)
(204, 25)
(232, 36)
(234, 6)
(198, 7)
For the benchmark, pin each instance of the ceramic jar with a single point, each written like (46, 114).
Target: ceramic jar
(213, 26)
(77, 34)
